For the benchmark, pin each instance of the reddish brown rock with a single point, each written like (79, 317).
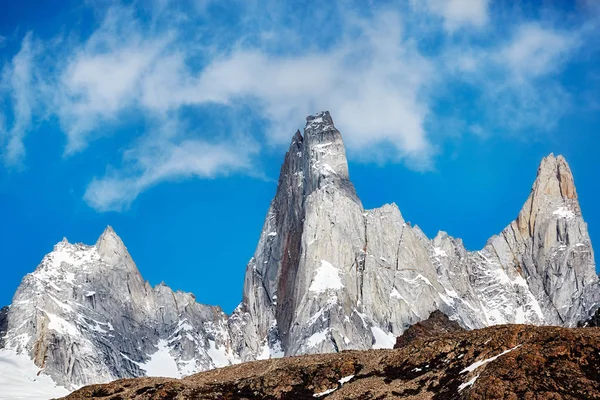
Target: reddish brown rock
(437, 324)
(501, 362)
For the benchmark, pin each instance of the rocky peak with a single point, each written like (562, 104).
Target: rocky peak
(555, 177)
(110, 246)
(326, 162)
(553, 193)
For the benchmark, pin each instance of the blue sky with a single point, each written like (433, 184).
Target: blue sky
(169, 119)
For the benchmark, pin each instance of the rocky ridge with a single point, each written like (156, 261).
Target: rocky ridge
(500, 362)
(437, 324)
(327, 276)
(86, 315)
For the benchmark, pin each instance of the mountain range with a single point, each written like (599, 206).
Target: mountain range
(327, 275)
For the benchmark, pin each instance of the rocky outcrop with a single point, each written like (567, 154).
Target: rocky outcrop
(85, 315)
(3, 323)
(437, 324)
(591, 322)
(501, 362)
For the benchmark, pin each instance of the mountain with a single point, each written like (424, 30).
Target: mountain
(327, 275)
(85, 315)
(500, 362)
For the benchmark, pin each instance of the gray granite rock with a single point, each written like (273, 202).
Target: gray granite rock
(85, 315)
(328, 275)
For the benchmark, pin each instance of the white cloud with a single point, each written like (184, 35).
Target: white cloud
(105, 76)
(380, 80)
(516, 78)
(536, 51)
(159, 158)
(374, 83)
(459, 13)
(18, 82)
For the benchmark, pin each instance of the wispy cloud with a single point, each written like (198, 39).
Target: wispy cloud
(516, 78)
(19, 82)
(161, 157)
(379, 74)
(458, 14)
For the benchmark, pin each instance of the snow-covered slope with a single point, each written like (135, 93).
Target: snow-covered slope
(19, 379)
(327, 275)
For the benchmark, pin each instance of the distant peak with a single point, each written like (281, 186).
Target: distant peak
(555, 177)
(553, 189)
(109, 244)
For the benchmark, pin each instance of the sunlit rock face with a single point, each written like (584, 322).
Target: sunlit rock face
(329, 275)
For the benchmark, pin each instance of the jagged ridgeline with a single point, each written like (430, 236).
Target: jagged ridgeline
(327, 275)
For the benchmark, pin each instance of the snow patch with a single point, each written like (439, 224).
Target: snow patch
(564, 212)
(19, 379)
(395, 294)
(383, 340)
(326, 278)
(467, 384)
(478, 364)
(438, 252)
(325, 392)
(219, 356)
(161, 363)
(317, 338)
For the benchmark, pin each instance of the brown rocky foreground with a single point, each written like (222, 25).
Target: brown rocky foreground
(501, 362)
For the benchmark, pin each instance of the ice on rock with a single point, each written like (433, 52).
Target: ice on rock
(326, 278)
(564, 212)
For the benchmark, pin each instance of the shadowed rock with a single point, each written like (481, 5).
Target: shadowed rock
(3, 324)
(437, 324)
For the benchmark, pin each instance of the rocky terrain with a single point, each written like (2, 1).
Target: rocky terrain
(500, 362)
(327, 276)
(437, 324)
(593, 321)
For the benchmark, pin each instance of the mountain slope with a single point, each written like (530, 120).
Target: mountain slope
(86, 315)
(500, 362)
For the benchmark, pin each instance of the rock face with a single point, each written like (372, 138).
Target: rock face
(593, 321)
(327, 275)
(437, 324)
(85, 315)
(3, 323)
(500, 362)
